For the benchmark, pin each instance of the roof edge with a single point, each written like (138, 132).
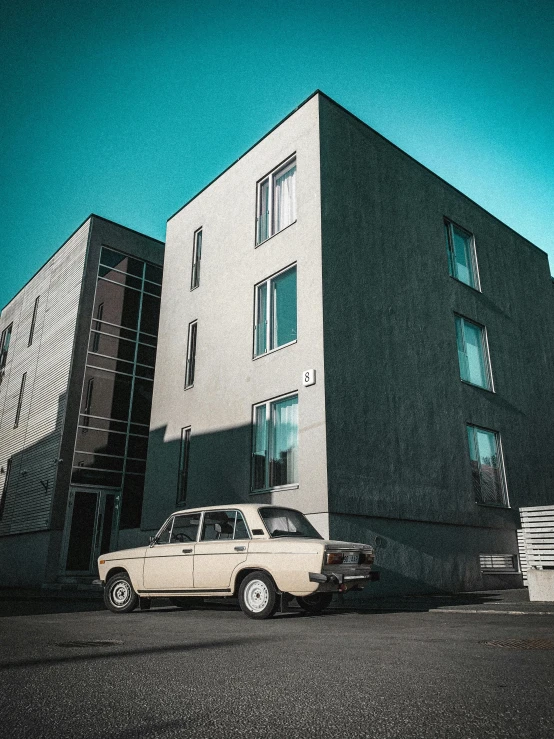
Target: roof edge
(88, 218)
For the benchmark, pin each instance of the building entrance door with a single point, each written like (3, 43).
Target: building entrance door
(90, 529)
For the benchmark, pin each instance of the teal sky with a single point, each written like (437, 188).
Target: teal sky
(128, 108)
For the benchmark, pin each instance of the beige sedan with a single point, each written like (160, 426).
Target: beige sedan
(264, 555)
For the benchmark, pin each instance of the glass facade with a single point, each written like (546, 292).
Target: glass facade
(112, 436)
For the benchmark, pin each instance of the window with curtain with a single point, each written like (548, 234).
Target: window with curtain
(473, 354)
(275, 312)
(487, 468)
(275, 444)
(462, 258)
(276, 201)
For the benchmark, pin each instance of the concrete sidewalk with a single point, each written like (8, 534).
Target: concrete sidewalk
(509, 602)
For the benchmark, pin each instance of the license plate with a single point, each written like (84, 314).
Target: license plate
(350, 559)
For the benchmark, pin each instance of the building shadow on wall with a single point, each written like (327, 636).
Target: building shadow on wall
(32, 475)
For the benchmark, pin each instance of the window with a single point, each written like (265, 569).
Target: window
(276, 207)
(221, 525)
(462, 259)
(184, 451)
(275, 443)
(5, 487)
(487, 469)
(196, 257)
(33, 322)
(275, 312)
(191, 354)
(5, 345)
(473, 353)
(97, 327)
(20, 401)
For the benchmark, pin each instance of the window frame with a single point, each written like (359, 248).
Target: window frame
(505, 503)
(485, 351)
(270, 313)
(6, 334)
(20, 400)
(449, 226)
(190, 362)
(270, 179)
(269, 431)
(33, 321)
(183, 467)
(196, 258)
(5, 487)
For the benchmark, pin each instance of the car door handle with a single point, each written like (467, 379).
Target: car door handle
(240, 549)
(187, 551)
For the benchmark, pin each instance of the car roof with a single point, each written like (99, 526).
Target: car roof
(230, 507)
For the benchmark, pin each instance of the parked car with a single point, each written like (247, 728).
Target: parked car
(262, 554)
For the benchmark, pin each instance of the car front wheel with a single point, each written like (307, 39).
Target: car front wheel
(119, 594)
(315, 603)
(257, 595)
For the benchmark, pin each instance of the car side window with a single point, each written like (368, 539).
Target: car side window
(222, 525)
(165, 533)
(185, 528)
(241, 532)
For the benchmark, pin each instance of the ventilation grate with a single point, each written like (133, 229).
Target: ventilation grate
(498, 562)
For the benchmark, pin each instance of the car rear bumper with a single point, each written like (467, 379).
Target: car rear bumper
(337, 578)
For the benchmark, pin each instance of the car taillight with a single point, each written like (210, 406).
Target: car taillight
(367, 558)
(334, 558)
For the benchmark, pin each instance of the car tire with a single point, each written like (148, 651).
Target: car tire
(316, 602)
(119, 594)
(257, 595)
(182, 603)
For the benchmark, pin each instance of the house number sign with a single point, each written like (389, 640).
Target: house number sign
(308, 377)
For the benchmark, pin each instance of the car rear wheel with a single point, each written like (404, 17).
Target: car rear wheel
(119, 594)
(316, 602)
(257, 595)
(182, 603)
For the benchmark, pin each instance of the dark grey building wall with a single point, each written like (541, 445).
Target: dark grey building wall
(396, 408)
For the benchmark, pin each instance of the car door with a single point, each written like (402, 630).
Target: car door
(169, 561)
(223, 545)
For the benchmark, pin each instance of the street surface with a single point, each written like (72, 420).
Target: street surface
(212, 672)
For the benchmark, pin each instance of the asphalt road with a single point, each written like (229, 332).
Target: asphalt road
(212, 672)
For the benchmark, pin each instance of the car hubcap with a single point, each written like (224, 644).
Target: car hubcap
(256, 596)
(121, 594)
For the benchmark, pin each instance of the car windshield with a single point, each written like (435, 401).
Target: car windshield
(287, 522)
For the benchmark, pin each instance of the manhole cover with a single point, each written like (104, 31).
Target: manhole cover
(521, 643)
(92, 643)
